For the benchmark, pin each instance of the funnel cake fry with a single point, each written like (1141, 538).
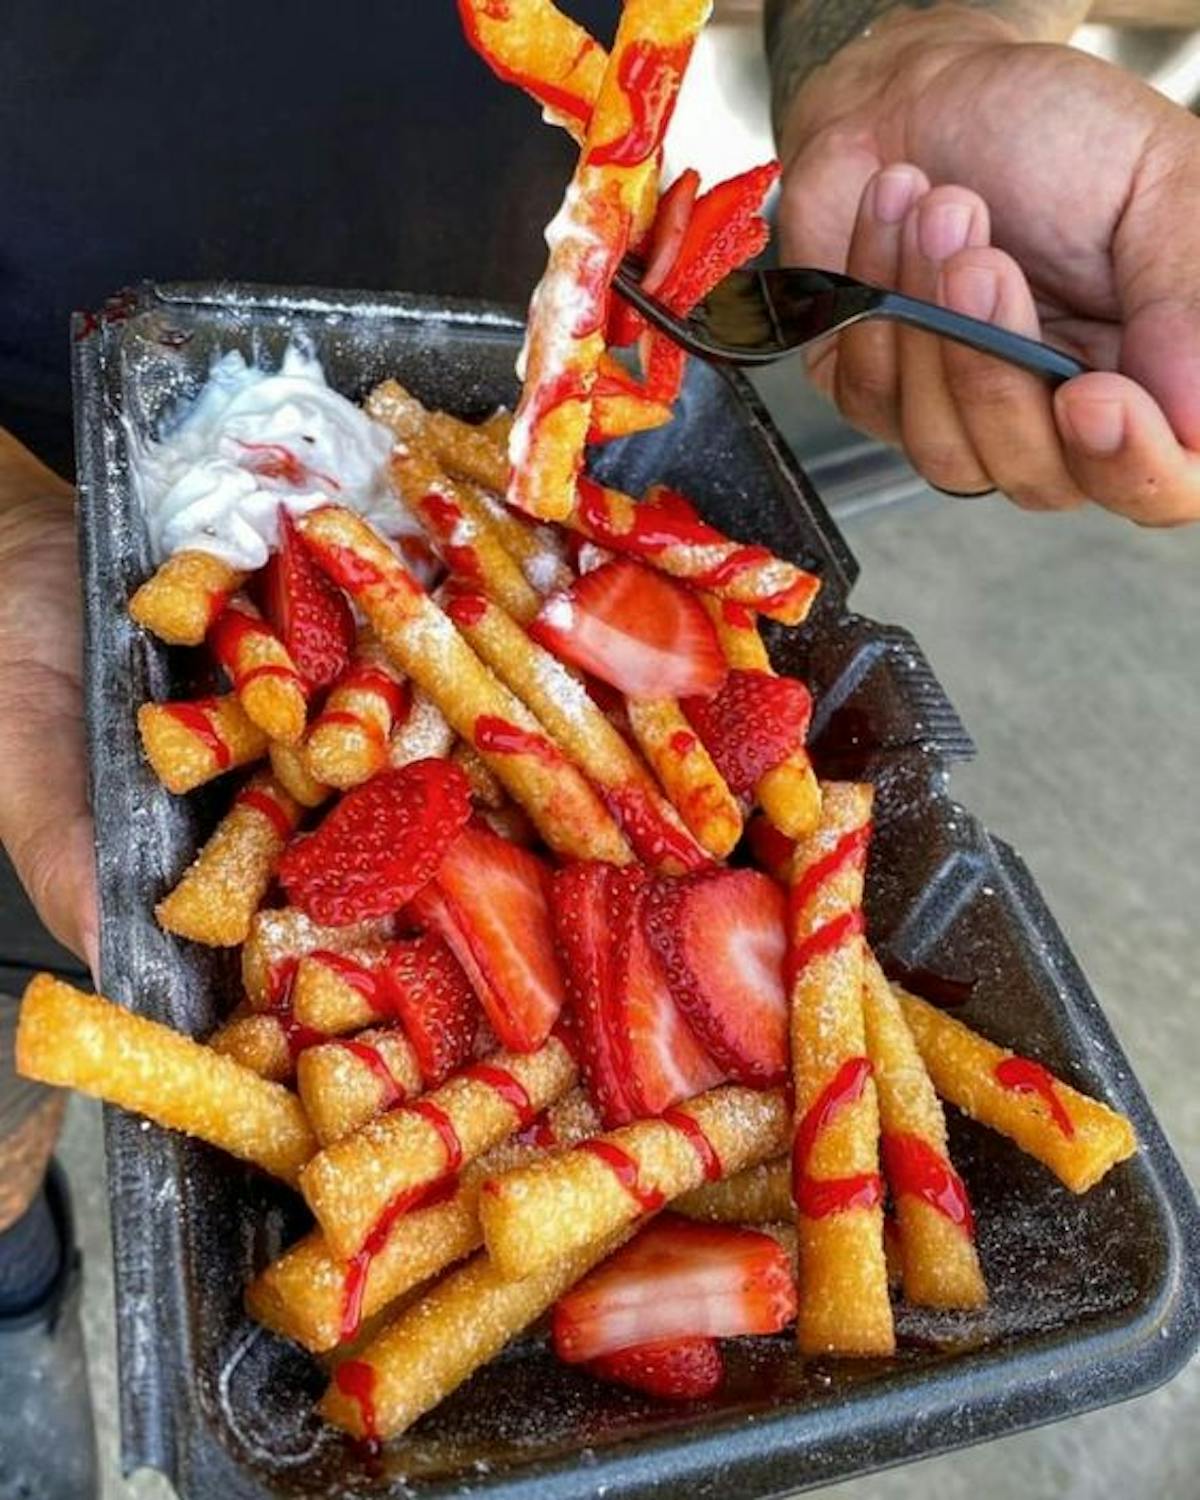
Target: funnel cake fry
(190, 742)
(578, 727)
(224, 886)
(278, 939)
(405, 1153)
(84, 1042)
(262, 671)
(550, 1210)
(757, 1195)
(348, 741)
(182, 599)
(940, 1265)
(844, 1303)
(1077, 1137)
(303, 1294)
(686, 772)
(426, 645)
(343, 1083)
(618, 165)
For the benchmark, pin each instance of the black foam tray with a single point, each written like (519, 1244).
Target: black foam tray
(1093, 1299)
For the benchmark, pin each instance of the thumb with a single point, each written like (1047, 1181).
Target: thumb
(1157, 264)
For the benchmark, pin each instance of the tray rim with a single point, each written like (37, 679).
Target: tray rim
(752, 1457)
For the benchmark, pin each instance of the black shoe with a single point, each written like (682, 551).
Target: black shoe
(47, 1441)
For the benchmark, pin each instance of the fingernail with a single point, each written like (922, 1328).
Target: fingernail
(973, 290)
(1098, 426)
(893, 193)
(943, 229)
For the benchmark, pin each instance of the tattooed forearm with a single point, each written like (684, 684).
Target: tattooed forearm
(803, 34)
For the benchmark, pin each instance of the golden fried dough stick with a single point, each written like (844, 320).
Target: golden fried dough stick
(425, 644)
(549, 1210)
(541, 550)
(617, 167)
(671, 537)
(533, 44)
(311, 1296)
(340, 991)
(788, 793)
(933, 1212)
(1077, 1137)
(345, 1082)
(85, 1042)
(279, 939)
(844, 1303)
(259, 1041)
(218, 894)
(262, 671)
(461, 530)
(757, 1195)
(188, 743)
(401, 1156)
(424, 734)
(292, 774)
(180, 601)
(487, 790)
(686, 773)
(578, 727)
(348, 740)
(438, 1342)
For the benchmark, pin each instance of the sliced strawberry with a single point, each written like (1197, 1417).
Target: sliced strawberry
(677, 1279)
(435, 1003)
(381, 843)
(725, 229)
(311, 615)
(491, 904)
(638, 630)
(721, 938)
(660, 253)
(755, 721)
(658, 1053)
(579, 900)
(672, 1369)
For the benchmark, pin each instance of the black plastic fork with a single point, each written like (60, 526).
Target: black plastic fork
(758, 317)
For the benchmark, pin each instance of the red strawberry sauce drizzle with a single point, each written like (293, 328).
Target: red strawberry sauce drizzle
(444, 1126)
(368, 679)
(1023, 1076)
(234, 630)
(648, 75)
(682, 742)
(358, 1267)
(913, 1166)
(653, 837)
(355, 1378)
(262, 802)
(356, 573)
(393, 1091)
(243, 680)
(445, 514)
(369, 983)
(850, 850)
(816, 1198)
(510, 1089)
(274, 461)
(297, 1036)
(195, 718)
(356, 721)
(710, 1162)
(625, 1170)
(575, 106)
(466, 609)
(496, 736)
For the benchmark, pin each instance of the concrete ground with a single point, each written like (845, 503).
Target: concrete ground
(1070, 645)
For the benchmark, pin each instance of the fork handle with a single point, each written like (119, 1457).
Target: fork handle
(1040, 359)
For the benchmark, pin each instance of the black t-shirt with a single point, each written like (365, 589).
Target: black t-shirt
(353, 145)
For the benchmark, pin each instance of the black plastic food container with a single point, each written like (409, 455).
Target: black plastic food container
(1093, 1299)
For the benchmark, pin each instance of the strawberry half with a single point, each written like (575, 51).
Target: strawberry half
(640, 632)
(672, 1369)
(755, 721)
(491, 905)
(310, 614)
(579, 899)
(381, 843)
(434, 1001)
(660, 253)
(677, 1279)
(721, 939)
(658, 1054)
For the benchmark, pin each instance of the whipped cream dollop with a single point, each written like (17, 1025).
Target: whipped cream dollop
(255, 440)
